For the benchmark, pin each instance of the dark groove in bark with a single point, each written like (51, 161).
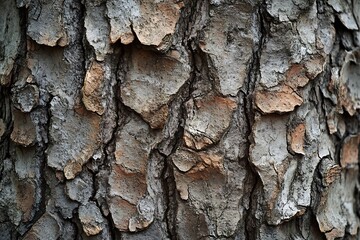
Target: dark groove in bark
(184, 94)
(19, 64)
(168, 182)
(317, 188)
(109, 148)
(253, 75)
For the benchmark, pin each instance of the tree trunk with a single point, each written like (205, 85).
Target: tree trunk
(212, 119)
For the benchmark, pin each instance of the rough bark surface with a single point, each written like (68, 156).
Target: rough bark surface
(211, 119)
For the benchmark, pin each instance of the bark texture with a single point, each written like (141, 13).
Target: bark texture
(211, 119)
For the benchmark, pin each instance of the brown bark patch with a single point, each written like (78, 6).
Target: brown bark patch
(121, 212)
(350, 151)
(207, 120)
(92, 89)
(129, 186)
(296, 76)
(24, 132)
(281, 100)
(297, 139)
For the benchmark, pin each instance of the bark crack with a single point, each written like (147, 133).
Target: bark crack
(253, 75)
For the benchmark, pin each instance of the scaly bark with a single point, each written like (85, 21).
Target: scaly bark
(210, 119)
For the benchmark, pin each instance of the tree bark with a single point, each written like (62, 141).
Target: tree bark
(211, 119)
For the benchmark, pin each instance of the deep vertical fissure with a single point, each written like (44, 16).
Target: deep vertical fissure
(251, 221)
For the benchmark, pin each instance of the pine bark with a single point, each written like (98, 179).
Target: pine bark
(211, 119)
